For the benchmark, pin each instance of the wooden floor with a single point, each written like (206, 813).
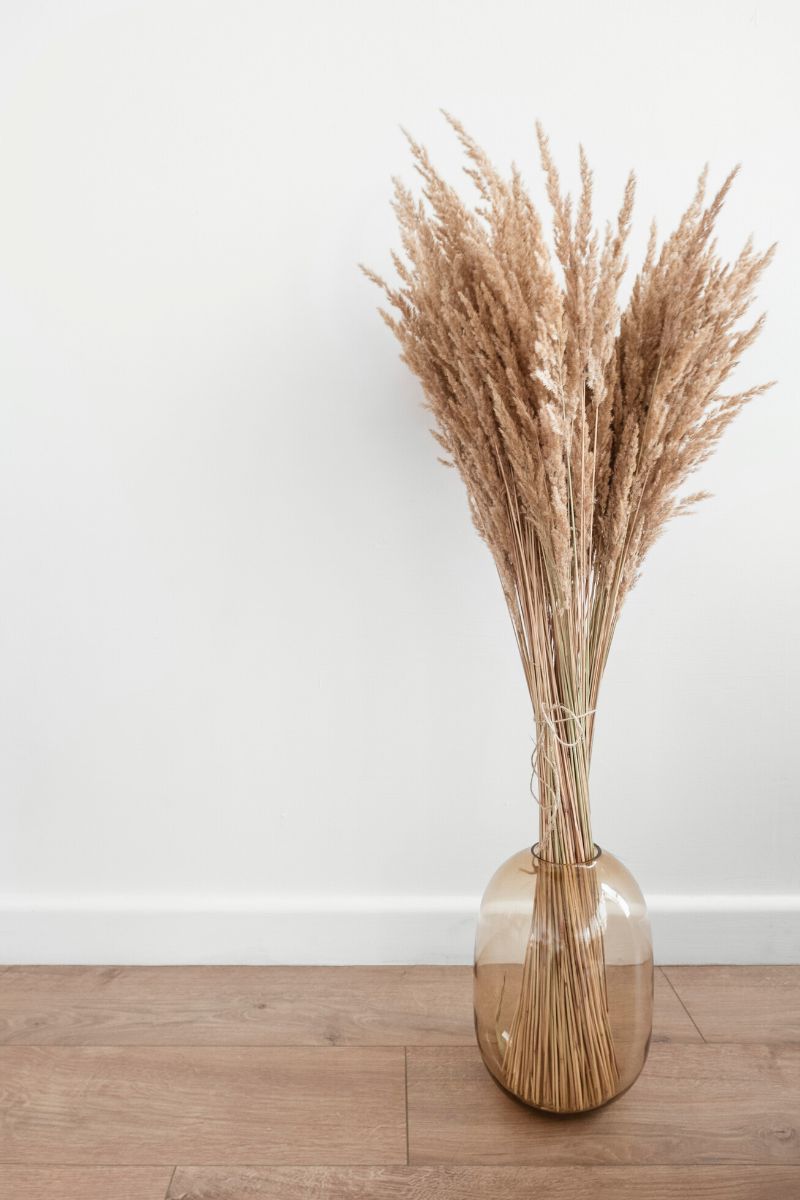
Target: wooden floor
(230, 1083)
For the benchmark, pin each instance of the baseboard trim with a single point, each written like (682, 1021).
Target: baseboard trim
(360, 929)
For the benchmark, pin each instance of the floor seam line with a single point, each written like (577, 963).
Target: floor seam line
(727, 1164)
(679, 998)
(405, 1058)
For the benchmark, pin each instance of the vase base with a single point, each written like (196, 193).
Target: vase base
(556, 1113)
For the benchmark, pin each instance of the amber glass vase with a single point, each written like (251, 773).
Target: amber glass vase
(563, 981)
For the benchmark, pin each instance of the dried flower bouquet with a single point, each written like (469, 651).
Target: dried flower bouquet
(574, 426)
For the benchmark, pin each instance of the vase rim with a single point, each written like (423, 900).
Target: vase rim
(598, 850)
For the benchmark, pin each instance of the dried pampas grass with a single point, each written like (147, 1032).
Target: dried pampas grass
(574, 427)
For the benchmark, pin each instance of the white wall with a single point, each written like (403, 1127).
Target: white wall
(254, 663)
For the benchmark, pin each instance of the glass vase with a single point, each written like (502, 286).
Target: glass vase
(563, 981)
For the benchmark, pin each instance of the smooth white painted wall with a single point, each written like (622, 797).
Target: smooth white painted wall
(251, 652)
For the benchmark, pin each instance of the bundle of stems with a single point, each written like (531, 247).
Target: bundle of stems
(574, 426)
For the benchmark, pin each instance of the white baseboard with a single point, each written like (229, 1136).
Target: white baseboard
(368, 929)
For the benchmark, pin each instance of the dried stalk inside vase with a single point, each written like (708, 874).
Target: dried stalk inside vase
(560, 1053)
(574, 427)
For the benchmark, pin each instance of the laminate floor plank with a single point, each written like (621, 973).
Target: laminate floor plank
(694, 1104)
(268, 1006)
(741, 1004)
(485, 1183)
(84, 1183)
(230, 1006)
(163, 1105)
